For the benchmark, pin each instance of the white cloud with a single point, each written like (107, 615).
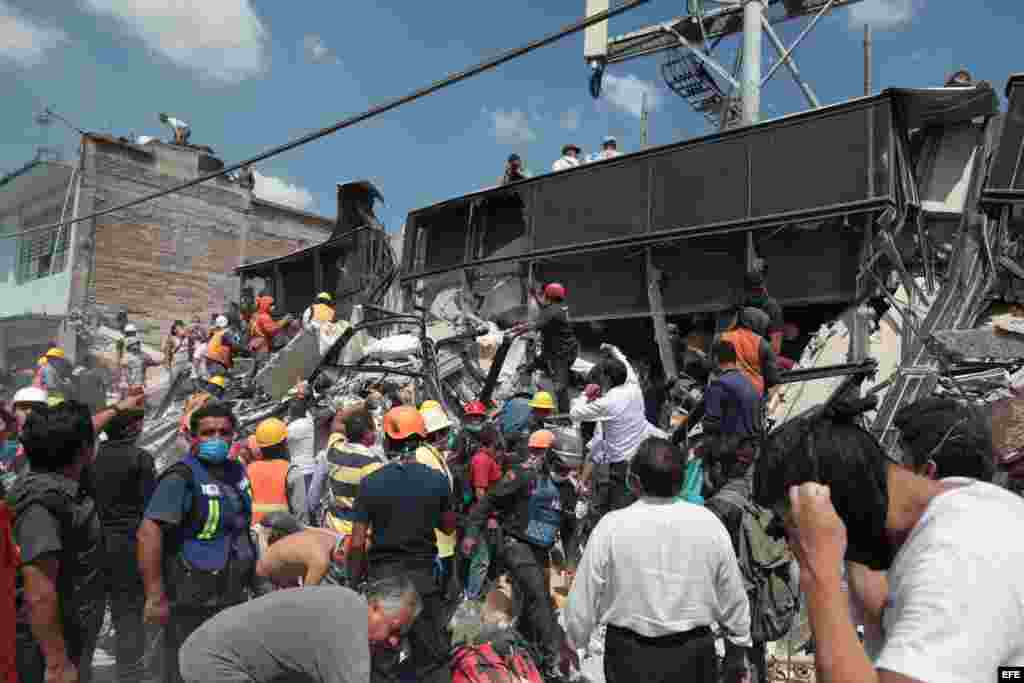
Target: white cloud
(280, 191)
(626, 93)
(316, 50)
(223, 40)
(570, 119)
(23, 40)
(883, 14)
(510, 127)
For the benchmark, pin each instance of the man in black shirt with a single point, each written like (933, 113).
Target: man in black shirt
(560, 347)
(403, 503)
(756, 296)
(123, 478)
(60, 581)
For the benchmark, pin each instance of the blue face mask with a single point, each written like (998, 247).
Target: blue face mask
(213, 451)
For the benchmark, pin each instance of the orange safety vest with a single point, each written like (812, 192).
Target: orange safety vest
(269, 480)
(748, 355)
(218, 351)
(323, 313)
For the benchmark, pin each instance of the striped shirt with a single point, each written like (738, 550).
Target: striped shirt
(347, 465)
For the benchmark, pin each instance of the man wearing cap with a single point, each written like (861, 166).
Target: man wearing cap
(404, 502)
(529, 507)
(221, 349)
(55, 375)
(321, 311)
(570, 159)
(277, 484)
(123, 478)
(135, 362)
(558, 341)
(609, 149)
(514, 171)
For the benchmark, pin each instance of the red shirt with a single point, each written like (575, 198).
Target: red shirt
(8, 571)
(484, 469)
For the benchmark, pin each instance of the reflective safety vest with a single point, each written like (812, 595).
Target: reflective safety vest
(322, 313)
(748, 355)
(218, 351)
(207, 544)
(545, 512)
(269, 480)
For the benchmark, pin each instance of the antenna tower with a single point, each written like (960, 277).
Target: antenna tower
(726, 97)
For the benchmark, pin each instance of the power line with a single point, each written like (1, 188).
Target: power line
(451, 79)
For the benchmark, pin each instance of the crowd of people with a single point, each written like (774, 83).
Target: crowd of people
(268, 558)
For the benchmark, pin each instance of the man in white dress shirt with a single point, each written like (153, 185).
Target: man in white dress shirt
(659, 573)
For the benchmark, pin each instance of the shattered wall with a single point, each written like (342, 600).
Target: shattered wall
(173, 257)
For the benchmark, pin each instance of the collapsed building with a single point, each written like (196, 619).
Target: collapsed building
(887, 233)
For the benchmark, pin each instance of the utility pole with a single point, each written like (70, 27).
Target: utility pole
(643, 121)
(750, 85)
(867, 59)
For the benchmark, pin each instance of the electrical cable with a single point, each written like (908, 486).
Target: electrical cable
(451, 79)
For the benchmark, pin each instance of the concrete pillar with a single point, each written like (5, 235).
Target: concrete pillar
(753, 12)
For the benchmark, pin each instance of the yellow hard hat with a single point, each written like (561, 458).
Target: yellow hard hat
(55, 352)
(541, 439)
(429, 405)
(542, 399)
(42, 361)
(324, 296)
(218, 380)
(271, 432)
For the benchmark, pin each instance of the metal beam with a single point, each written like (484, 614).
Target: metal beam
(728, 21)
(750, 88)
(708, 61)
(780, 49)
(799, 39)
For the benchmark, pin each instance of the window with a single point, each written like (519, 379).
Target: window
(40, 253)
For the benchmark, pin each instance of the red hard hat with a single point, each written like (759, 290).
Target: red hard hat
(554, 291)
(476, 408)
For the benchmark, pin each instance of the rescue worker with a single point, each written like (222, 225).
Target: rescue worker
(295, 554)
(558, 340)
(25, 401)
(221, 349)
(756, 295)
(542, 407)
(514, 421)
(277, 484)
(530, 511)
(349, 461)
(60, 579)
(195, 551)
(320, 311)
(123, 478)
(55, 376)
(134, 364)
(754, 354)
(570, 158)
(209, 390)
(263, 328)
(404, 502)
(514, 171)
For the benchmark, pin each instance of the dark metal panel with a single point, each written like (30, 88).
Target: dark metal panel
(445, 235)
(819, 262)
(701, 274)
(299, 286)
(621, 289)
(819, 163)
(699, 185)
(1006, 167)
(603, 202)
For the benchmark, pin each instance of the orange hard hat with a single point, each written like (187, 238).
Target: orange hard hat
(541, 439)
(402, 422)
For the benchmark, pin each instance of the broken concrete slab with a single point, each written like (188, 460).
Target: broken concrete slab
(985, 343)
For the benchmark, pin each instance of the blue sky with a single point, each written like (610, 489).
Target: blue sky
(251, 74)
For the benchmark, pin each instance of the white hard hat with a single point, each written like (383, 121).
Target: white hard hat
(221, 321)
(610, 140)
(130, 329)
(435, 419)
(30, 395)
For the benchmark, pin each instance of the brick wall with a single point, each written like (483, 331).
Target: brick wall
(174, 257)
